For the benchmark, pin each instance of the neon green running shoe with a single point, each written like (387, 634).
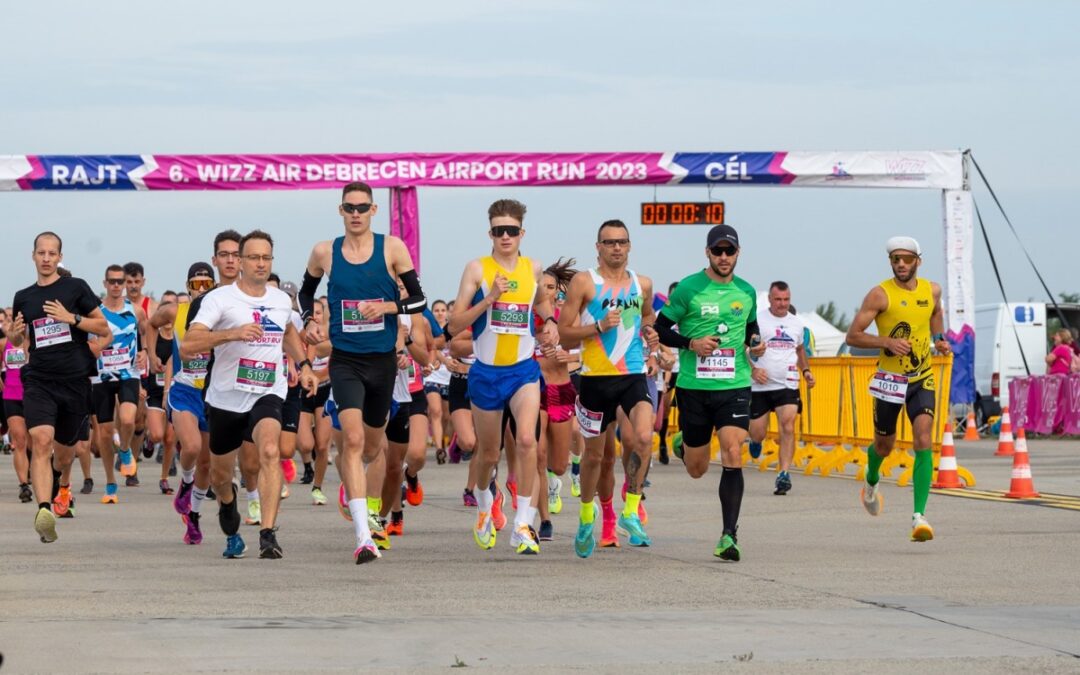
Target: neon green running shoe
(727, 549)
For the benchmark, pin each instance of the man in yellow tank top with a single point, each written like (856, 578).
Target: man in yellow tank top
(500, 292)
(907, 312)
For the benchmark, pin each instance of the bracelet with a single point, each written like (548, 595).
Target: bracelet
(305, 362)
(552, 319)
(939, 337)
(805, 371)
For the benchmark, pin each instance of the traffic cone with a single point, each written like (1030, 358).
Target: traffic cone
(1022, 486)
(947, 476)
(971, 430)
(1005, 439)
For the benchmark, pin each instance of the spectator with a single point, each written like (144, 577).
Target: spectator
(1059, 360)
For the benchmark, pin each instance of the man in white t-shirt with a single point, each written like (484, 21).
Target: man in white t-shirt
(247, 324)
(775, 376)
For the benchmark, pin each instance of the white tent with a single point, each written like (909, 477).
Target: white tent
(827, 338)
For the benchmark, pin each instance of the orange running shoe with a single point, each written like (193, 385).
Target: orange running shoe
(498, 518)
(396, 526)
(511, 485)
(62, 501)
(609, 538)
(414, 491)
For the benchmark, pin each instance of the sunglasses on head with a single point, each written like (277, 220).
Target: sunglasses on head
(718, 251)
(499, 231)
(356, 208)
(115, 282)
(906, 258)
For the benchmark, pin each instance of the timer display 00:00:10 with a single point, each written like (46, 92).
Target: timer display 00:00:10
(682, 213)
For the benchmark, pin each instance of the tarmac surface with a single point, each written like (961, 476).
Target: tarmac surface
(822, 587)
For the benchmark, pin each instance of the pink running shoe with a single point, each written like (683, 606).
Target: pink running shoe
(288, 469)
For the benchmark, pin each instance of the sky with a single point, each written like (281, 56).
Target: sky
(999, 78)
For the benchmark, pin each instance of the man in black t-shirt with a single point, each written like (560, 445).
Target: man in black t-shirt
(54, 316)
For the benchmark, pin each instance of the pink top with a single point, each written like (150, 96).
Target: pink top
(14, 360)
(1060, 366)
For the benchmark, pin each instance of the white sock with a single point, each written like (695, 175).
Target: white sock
(187, 476)
(522, 513)
(551, 480)
(253, 495)
(197, 497)
(484, 501)
(533, 514)
(358, 511)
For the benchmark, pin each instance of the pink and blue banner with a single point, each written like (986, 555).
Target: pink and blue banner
(940, 170)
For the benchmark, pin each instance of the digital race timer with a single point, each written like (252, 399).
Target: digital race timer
(682, 213)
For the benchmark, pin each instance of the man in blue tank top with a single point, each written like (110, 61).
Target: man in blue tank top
(362, 270)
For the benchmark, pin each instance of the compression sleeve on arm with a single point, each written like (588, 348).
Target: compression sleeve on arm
(415, 302)
(306, 296)
(751, 330)
(668, 337)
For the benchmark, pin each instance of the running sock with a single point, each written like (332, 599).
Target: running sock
(587, 512)
(187, 476)
(110, 489)
(921, 477)
(374, 504)
(45, 505)
(575, 464)
(521, 512)
(484, 501)
(551, 479)
(197, 497)
(229, 518)
(731, 493)
(873, 464)
(493, 487)
(411, 480)
(253, 495)
(358, 511)
(607, 507)
(308, 466)
(55, 482)
(631, 505)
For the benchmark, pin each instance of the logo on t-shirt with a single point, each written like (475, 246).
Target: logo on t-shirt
(272, 333)
(736, 308)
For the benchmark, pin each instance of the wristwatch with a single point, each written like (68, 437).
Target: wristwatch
(78, 318)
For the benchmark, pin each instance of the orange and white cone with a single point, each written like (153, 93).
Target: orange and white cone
(947, 475)
(1005, 439)
(971, 430)
(1022, 486)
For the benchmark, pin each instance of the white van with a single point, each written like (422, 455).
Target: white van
(1002, 332)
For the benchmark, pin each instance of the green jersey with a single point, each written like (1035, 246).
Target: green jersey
(701, 307)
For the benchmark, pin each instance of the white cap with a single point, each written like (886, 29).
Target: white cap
(903, 243)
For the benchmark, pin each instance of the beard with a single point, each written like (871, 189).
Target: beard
(906, 277)
(716, 270)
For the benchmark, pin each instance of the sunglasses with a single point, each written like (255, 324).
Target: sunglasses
(615, 242)
(356, 208)
(729, 251)
(115, 282)
(200, 284)
(499, 231)
(906, 258)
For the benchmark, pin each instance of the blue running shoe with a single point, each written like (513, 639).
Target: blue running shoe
(755, 449)
(783, 483)
(636, 533)
(234, 547)
(585, 542)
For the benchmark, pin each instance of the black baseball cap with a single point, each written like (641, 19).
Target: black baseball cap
(200, 268)
(720, 234)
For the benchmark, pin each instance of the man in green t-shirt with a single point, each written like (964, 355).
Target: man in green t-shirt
(712, 318)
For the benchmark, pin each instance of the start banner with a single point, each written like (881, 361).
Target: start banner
(921, 169)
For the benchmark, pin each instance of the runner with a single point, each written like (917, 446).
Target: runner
(54, 315)
(716, 315)
(290, 411)
(314, 429)
(160, 432)
(134, 281)
(437, 387)
(668, 403)
(362, 269)
(118, 366)
(247, 324)
(907, 312)
(463, 444)
(776, 377)
(15, 358)
(497, 297)
(616, 316)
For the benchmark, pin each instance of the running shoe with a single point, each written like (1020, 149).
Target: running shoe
(575, 485)
(468, 498)
(87, 486)
(484, 532)
(172, 469)
(663, 452)
(181, 503)
(317, 497)
(343, 504)
(127, 463)
(554, 498)
(285, 490)
(547, 531)
(366, 552)
(396, 526)
(62, 501)
(755, 449)
(269, 549)
(511, 487)
(498, 518)
(110, 494)
(234, 547)
(131, 481)
(288, 470)
(453, 452)
(254, 516)
(440, 455)
(609, 536)
(920, 529)
(45, 525)
(378, 531)
(148, 449)
(466, 455)
(727, 548)
(164, 486)
(309, 475)
(524, 541)
(25, 493)
(70, 513)
(871, 498)
(783, 483)
(192, 535)
(414, 491)
(677, 445)
(584, 541)
(210, 494)
(636, 533)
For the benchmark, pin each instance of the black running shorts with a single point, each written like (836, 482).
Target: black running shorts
(228, 429)
(703, 411)
(364, 381)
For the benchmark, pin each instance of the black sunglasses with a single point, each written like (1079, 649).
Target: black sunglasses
(729, 251)
(499, 231)
(114, 282)
(356, 208)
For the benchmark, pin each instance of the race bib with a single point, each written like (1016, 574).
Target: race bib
(720, 365)
(793, 377)
(589, 421)
(889, 387)
(196, 367)
(509, 318)
(115, 360)
(352, 321)
(256, 377)
(48, 332)
(159, 379)
(15, 359)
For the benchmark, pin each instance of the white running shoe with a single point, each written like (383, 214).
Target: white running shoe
(871, 498)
